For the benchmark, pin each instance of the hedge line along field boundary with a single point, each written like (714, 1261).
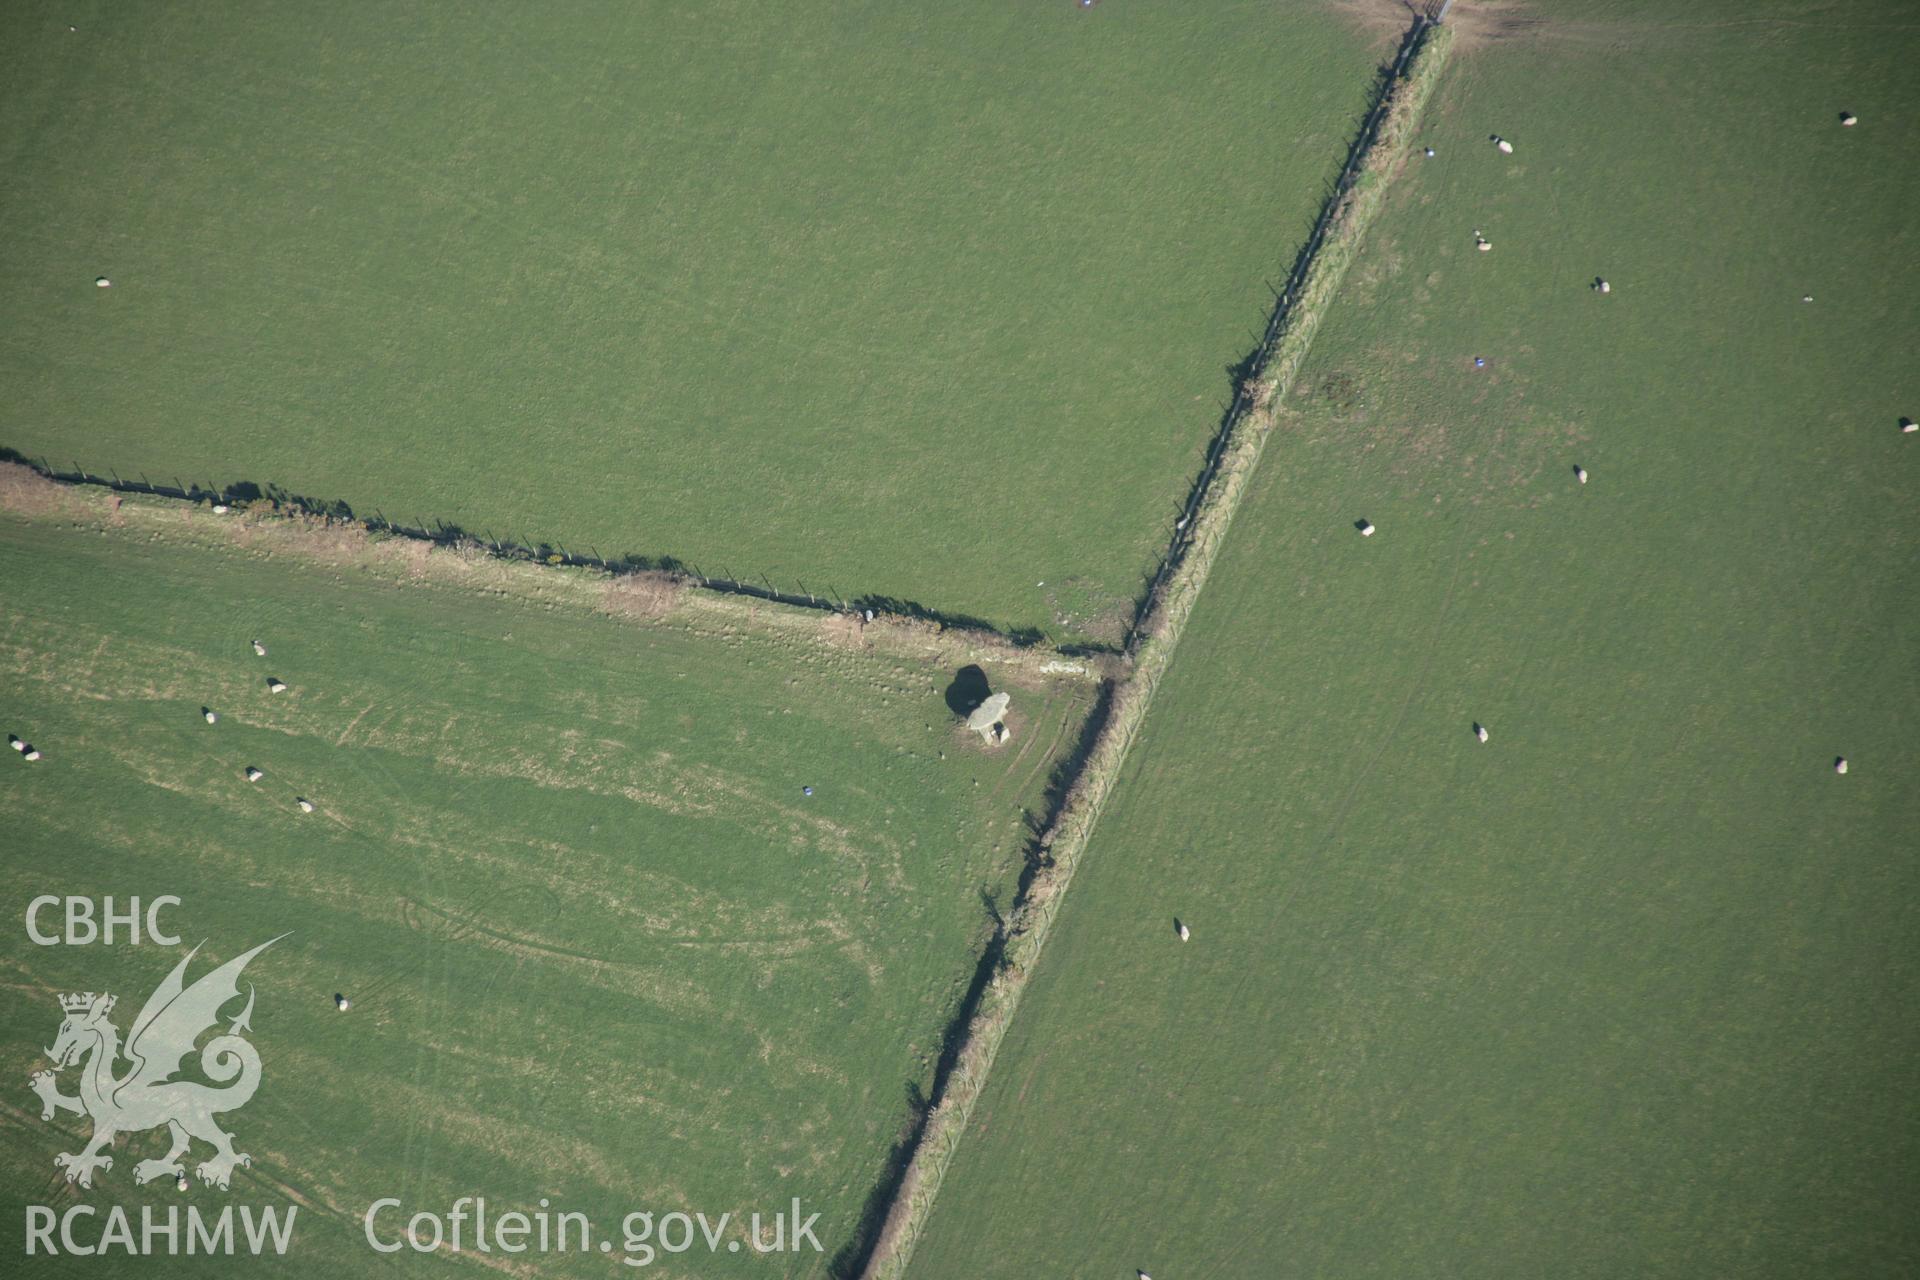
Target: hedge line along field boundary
(1384, 143)
(819, 598)
(635, 597)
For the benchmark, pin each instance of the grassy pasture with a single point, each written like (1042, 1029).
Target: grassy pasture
(1631, 988)
(823, 295)
(600, 947)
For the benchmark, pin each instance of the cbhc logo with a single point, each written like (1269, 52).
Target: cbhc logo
(83, 930)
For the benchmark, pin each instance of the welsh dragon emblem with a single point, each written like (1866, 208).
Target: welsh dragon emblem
(146, 1095)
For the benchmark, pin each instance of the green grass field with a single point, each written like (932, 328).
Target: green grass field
(826, 294)
(1629, 989)
(600, 947)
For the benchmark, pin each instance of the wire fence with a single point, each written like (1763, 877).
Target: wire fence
(825, 597)
(1247, 390)
(1066, 831)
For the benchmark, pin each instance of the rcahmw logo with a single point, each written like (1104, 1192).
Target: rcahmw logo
(146, 1095)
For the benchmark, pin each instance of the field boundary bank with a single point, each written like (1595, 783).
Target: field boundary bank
(1251, 391)
(1380, 148)
(646, 598)
(273, 499)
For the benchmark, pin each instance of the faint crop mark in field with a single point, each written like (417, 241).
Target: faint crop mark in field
(1033, 1073)
(29, 1131)
(94, 828)
(1053, 746)
(1067, 721)
(32, 1123)
(684, 1002)
(607, 768)
(521, 1144)
(308, 1200)
(230, 684)
(1560, 260)
(388, 706)
(449, 928)
(347, 732)
(650, 910)
(1026, 748)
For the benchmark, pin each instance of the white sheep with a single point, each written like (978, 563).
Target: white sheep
(1479, 731)
(210, 715)
(341, 1003)
(1580, 474)
(15, 743)
(254, 774)
(1365, 527)
(259, 650)
(1506, 148)
(1849, 119)
(1908, 426)
(31, 753)
(1181, 927)
(101, 282)
(180, 1183)
(276, 685)
(1840, 764)
(306, 805)
(1484, 246)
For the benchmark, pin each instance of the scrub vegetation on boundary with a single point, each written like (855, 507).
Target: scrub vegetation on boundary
(1628, 988)
(1348, 396)
(820, 296)
(293, 527)
(642, 581)
(599, 944)
(1377, 154)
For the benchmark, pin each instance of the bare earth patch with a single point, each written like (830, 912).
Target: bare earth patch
(846, 630)
(26, 492)
(1475, 23)
(1384, 21)
(641, 595)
